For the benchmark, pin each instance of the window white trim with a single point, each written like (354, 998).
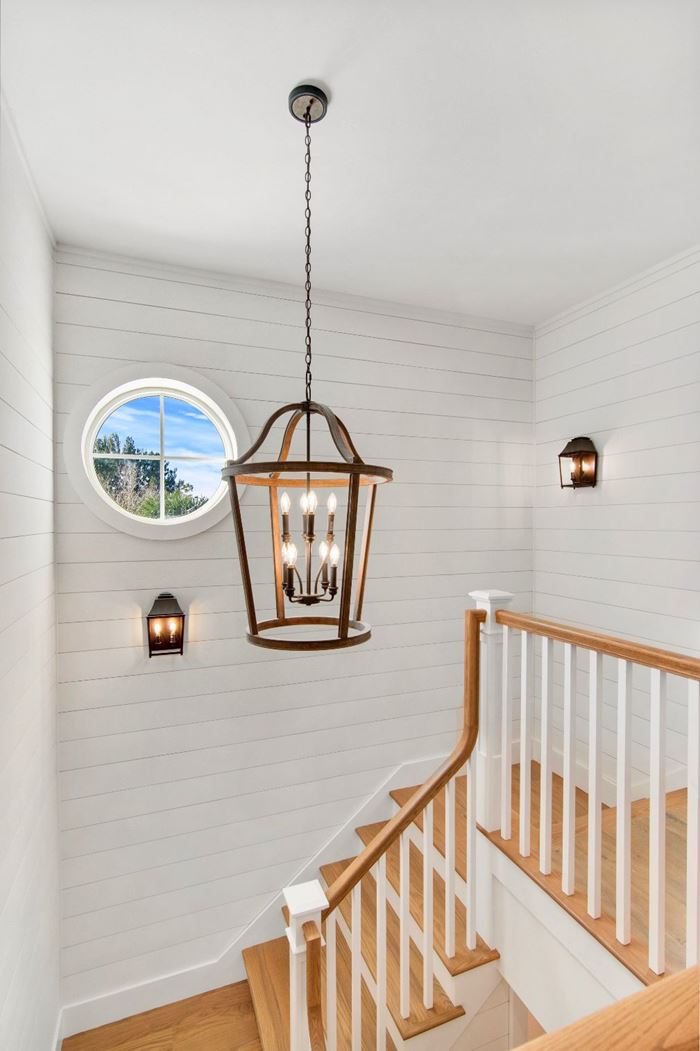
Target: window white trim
(142, 380)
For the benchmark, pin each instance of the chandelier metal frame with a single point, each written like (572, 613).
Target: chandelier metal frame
(308, 103)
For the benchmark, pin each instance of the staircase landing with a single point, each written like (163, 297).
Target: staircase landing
(635, 955)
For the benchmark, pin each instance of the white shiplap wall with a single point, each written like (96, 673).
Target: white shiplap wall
(29, 905)
(193, 789)
(625, 557)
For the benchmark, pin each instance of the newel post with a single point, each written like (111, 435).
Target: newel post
(488, 755)
(305, 902)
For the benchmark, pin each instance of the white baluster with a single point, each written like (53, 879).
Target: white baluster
(331, 987)
(657, 822)
(525, 742)
(692, 940)
(404, 944)
(428, 906)
(506, 740)
(380, 878)
(471, 854)
(356, 968)
(450, 864)
(595, 826)
(623, 839)
(546, 759)
(568, 866)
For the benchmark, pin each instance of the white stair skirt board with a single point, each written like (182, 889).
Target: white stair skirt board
(266, 924)
(559, 970)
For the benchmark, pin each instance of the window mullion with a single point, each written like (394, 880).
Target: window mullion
(162, 461)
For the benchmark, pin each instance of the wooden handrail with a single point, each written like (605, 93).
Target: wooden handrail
(312, 937)
(663, 1017)
(610, 645)
(374, 850)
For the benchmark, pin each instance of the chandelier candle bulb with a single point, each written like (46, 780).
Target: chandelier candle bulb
(323, 555)
(331, 504)
(335, 558)
(285, 504)
(309, 503)
(289, 557)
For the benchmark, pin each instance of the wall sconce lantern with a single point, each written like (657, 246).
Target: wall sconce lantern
(578, 464)
(166, 626)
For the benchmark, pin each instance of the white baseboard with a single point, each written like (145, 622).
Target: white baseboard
(121, 1003)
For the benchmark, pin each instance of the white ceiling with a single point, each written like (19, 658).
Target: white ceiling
(500, 157)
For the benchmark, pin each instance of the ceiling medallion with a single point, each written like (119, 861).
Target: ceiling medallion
(329, 560)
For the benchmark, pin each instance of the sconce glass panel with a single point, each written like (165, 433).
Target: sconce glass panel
(578, 464)
(166, 626)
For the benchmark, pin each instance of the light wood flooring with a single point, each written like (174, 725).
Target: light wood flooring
(220, 1020)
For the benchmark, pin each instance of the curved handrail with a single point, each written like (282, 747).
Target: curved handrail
(610, 645)
(362, 864)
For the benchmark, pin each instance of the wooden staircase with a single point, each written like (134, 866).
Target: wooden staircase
(267, 964)
(403, 965)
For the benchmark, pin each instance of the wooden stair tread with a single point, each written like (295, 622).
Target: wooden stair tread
(343, 958)
(267, 967)
(464, 959)
(402, 795)
(420, 1019)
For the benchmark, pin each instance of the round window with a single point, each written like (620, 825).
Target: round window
(158, 456)
(149, 455)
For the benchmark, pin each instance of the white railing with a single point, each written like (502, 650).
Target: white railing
(540, 684)
(312, 910)
(567, 642)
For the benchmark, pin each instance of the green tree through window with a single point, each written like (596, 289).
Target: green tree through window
(135, 484)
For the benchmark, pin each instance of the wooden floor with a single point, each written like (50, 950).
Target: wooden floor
(634, 955)
(221, 1020)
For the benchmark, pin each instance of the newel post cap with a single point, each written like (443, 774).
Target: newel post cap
(491, 601)
(305, 901)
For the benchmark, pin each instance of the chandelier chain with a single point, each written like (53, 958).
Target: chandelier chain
(307, 232)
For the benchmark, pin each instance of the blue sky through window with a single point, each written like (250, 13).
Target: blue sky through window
(188, 432)
(139, 419)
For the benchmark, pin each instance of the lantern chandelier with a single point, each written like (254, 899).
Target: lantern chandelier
(311, 571)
